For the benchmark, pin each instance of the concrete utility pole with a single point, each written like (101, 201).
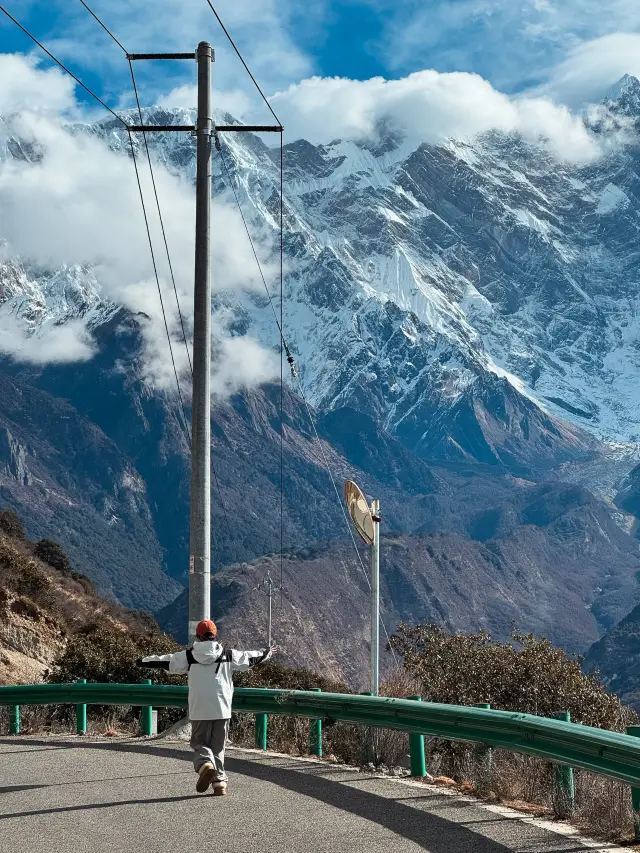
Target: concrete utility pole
(375, 599)
(200, 516)
(200, 520)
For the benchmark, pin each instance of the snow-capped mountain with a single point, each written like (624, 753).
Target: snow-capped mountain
(464, 303)
(478, 298)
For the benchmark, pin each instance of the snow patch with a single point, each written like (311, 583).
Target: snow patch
(611, 198)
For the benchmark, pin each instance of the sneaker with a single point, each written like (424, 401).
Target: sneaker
(219, 789)
(205, 775)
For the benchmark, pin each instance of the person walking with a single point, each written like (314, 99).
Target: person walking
(210, 667)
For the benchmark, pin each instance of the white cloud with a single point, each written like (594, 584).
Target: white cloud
(593, 67)
(23, 84)
(512, 43)
(52, 344)
(78, 203)
(261, 30)
(236, 102)
(429, 107)
(240, 363)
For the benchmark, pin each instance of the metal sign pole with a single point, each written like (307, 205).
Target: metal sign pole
(375, 599)
(270, 583)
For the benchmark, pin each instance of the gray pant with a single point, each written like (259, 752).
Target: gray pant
(207, 741)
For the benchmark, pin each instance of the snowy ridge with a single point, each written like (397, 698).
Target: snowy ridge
(423, 279)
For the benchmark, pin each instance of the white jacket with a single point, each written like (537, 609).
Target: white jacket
(210, 667)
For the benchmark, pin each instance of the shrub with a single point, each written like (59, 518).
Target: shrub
(103, 653)
(85, 582)
(31, 580)
(23, 607)
(11, 525)
(50, 552)
(527, 674)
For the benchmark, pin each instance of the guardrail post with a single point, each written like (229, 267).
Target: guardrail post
(416, 750)
(146, 717)
(565, 792)
(634, 731)
(261, 731)
(14, 719)
(316, 732)
(484, 752)
(81, 714)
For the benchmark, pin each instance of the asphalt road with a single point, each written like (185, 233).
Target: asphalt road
(78, 795)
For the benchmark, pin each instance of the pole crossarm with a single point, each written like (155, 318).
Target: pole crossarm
(251, 128)
(155, 128)
(134, 56)
(190, 128)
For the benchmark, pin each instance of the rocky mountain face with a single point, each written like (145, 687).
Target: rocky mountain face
(41, 607)
(616, 658)
(70, 481)
(535, 564)
(463, 320)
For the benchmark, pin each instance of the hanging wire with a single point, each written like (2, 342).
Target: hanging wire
(155, 192)
(166, 245)
(153, 180)
(241, 58)
(104, 26)
(157, 277)
(144, 211)
(296, 378)
(64, 67)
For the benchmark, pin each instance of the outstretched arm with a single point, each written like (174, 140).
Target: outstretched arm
(176, 663)
(245, 660)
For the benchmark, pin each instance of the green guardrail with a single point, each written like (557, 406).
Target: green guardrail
(559, 741)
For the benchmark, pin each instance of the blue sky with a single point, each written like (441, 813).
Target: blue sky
(514, 44)
(569, 50)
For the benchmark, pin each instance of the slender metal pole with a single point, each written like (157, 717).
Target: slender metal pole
(375, 600)
(269, 581)
(200, 522)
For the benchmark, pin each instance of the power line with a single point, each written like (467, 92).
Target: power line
(164, 234)
(155, 270)
(135, 164)
(153, 181)
(104, 27)
(64, 67)
(133, 155)
(240, 57)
